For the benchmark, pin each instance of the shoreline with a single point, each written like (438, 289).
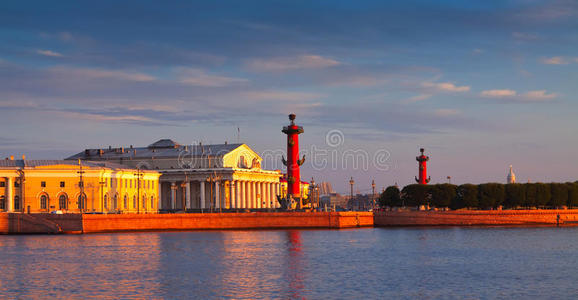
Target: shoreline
(19, 223)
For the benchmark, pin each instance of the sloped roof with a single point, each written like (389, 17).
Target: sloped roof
(32, 163)
(164, 148)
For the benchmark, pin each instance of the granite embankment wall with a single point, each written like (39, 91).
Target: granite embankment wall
(40, 223)
(14, 223)
(566, 217)
(257, 220)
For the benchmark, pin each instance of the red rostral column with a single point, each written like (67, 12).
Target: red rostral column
(293, 162)
(423, 179)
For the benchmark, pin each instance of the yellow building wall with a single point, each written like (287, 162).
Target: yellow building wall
(60, 187)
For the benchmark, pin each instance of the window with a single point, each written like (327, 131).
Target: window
(111, 182)
(43, 202)
(42, 183)
(144, 202)
(81, 201)
(16, 202)
(115, 202)
(2, 184)
(62, 184)
(2, 202)
(152, 201)
(125, 201)
(16, 183)
(62, 201)
(106, 201)
(134, 201)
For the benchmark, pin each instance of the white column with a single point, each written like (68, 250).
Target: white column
(237, 194)
(188, 194)
(268, 193)
(258, 196)
(173, 195)
(217, 195)
(10, 194)
(202, 191)
(232, 194)
(247, 194)
(254, 194)
(243, 194)
(159, 194)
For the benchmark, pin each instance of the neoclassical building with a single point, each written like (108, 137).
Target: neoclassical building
(224, 176)
(41, 186)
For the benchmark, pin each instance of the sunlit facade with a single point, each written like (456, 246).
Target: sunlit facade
(41, 186)
(222, 176)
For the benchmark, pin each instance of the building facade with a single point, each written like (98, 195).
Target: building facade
(224, 176)
(41, 186)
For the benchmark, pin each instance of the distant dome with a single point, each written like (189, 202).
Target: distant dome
(511, 176)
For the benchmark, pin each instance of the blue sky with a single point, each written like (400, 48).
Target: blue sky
(481, 85)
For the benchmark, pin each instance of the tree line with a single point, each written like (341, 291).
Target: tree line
(483, 196)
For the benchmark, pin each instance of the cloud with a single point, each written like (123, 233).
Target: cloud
(512, 95)
(524, 36)
(498, 93)
(198, 77)
(446, 87)
(446, 112)
(556, 60)
(101, 73)
(417, 98)
(540, 95)
(280, 64)
(280, 96)
(48, 53)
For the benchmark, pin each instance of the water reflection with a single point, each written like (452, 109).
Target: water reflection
(368, 263)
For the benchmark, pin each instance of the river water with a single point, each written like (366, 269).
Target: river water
(372, 263)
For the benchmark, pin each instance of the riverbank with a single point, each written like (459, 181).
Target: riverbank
(17, 223)
(566, 217)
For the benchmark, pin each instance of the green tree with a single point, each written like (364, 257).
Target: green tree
(558, 194)
(531, 195)
(515, 195)
(490, 195)
(390, 197)
(542, 194)
(442, 195)
(467, 196)
(572, 194)
(415, 194)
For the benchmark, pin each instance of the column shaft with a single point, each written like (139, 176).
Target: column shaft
(173, 195)
(217, 195)
(10, 194)
(188, 194)
(202, 191)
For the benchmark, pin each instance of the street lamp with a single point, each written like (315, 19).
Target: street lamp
(352, 182)
(372, 194)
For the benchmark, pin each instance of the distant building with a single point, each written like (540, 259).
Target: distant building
(511, 176)
(325, 188)
(199, 176)
(41, 186)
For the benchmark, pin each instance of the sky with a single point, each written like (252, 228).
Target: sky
(480, 85)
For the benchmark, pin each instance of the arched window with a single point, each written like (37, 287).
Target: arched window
(106, 201)
(152, 201)
(81, 201)
(125, 202)
(62, 202)
(115, 202)
(134, 201)
(2, 202)
(144, 202)
(43, 202)
(16, 202)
